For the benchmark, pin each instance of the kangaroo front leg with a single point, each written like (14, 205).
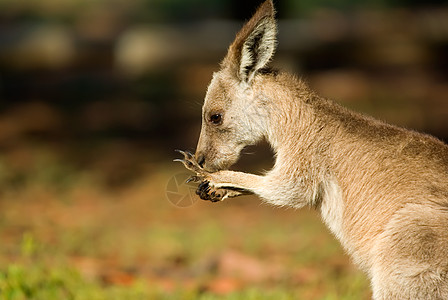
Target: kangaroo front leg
(220, 185)
(227, 184)
(209, 192)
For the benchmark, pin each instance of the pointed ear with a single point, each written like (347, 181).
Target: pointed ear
(254, 45)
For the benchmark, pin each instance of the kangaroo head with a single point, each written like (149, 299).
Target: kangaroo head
(231, 117)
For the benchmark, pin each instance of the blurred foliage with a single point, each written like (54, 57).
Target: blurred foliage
(305, 7)
(180, 10)
(87, 242)
(38, 282)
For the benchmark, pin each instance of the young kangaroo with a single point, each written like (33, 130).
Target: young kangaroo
(382, 190)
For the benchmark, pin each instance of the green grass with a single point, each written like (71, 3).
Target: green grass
(76, 239)
(37, 274)
(62, 283)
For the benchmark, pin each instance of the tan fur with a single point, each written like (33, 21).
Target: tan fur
(382, 190)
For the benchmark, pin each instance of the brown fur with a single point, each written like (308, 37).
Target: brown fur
(382, 190)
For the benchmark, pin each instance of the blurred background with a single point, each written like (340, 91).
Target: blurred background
(96, 95)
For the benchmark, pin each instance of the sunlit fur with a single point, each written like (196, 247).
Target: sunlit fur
(382, 190)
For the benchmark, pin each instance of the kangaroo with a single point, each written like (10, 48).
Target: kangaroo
(382, 190)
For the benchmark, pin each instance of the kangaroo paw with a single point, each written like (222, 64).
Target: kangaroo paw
(206, 191)
(208, 188)
(191, 164)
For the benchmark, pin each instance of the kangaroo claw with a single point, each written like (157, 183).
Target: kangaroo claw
(205, 190)
(193, 178)
(191, 164)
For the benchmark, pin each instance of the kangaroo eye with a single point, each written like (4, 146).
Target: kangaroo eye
(216, 119)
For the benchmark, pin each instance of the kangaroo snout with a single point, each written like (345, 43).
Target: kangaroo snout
(209, 161)
(215, 159)
(206, 159)
(215, 153)
(200, 158)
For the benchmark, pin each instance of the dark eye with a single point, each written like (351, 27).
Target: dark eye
(216, 119)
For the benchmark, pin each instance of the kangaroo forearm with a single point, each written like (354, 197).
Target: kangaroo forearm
(273, 189)
(237, 180)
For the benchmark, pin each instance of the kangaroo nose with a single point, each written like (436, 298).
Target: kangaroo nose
(201, 160)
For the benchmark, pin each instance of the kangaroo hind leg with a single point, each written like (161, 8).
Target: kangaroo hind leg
(411, 255)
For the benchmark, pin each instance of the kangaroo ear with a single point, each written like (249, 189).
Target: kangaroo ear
(254, 45)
